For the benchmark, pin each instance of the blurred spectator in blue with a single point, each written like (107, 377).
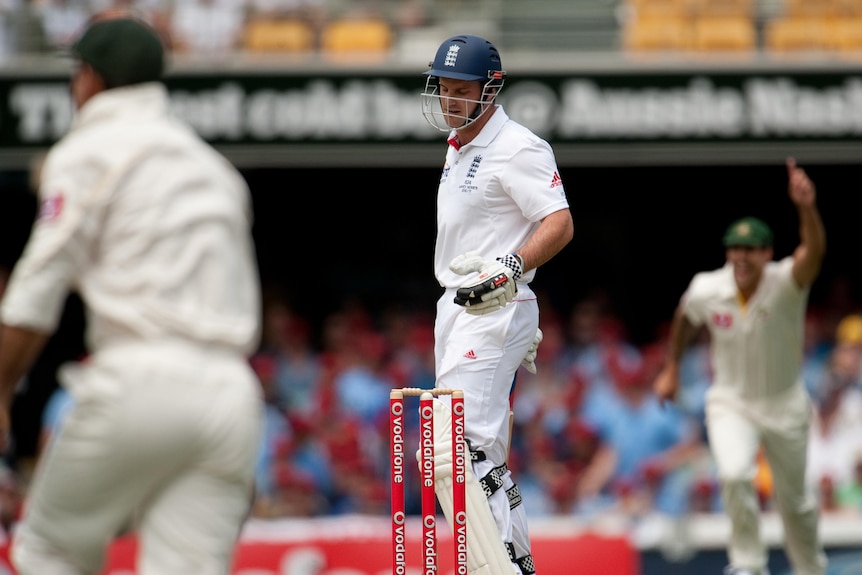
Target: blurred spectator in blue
(55, 410)
(593, 329)
(360, 384)
(305, 486)
(59, 402)
(817, 346)
(410, 339)
(695, 376)
(644, 450)
(551, 447)
(298, 368)
(553, 394)
(276, 431)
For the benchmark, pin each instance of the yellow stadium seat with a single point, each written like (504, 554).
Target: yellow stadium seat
(658, 34)
(655, 8)
(847, 34)
(797, 33)
(352, 38)
(814, 8)
(278, 36)
(736, 8)
(724, 34)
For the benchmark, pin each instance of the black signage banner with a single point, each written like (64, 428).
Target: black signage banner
(372, 117)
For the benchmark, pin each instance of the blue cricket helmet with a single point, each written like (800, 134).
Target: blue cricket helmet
(467, 57)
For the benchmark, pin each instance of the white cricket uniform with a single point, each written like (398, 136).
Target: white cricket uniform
(758, 398)
(493, 193)
(153, 229)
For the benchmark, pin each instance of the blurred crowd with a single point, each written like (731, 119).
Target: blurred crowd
(590, 437)
(202, 27)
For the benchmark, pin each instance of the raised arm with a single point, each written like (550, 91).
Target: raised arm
(808, 256)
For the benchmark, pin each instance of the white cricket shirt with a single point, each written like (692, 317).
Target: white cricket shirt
(756, 349)
(493, 193)
(148, 223)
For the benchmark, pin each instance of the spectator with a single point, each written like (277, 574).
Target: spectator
(833, 444)
(207, 27)
(63, 20)
(643, 447)
(592, 329)
(156, 13)
(276, 432)
(848, 494)
(298, 367)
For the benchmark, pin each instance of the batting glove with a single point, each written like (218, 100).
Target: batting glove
(492, 290)
(529, 361)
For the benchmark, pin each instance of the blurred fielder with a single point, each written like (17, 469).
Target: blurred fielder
(152, 228)
(501, 213)
(754, 309)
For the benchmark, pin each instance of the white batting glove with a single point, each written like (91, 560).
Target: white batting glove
(467, 263)
(529, 361)
(491, 290)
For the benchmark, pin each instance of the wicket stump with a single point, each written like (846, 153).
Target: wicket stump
(398, 475)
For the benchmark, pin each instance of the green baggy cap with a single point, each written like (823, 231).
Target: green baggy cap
(748, 232)
(123, 51)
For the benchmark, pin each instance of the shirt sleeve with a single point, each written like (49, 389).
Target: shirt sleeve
(693, 302)
(56, 249)
(532, 179)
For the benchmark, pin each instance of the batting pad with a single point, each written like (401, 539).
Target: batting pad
(486, 553)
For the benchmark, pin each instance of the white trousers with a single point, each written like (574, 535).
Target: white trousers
(160, 438)
(737, 428)
(481, 355)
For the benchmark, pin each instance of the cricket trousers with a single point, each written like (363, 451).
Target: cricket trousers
(737, 429)
(160, 437)
(481, 356)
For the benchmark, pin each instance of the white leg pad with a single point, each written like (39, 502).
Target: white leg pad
(486, 553)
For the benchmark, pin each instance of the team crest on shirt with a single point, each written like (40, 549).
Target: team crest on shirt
(50, 208)
(468, 186)
(722, 320)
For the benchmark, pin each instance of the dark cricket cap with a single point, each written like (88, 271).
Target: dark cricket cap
(748, 231)
(123, 51)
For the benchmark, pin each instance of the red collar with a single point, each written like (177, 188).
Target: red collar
(454, 142)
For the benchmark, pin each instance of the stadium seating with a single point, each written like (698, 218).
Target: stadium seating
(364, 38)
(278, 36)
(724, 33)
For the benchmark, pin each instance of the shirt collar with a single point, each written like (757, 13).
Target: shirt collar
(147, 100)
(489, 130)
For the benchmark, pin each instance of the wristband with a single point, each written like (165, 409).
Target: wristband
(515, 263)
(521, 259)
